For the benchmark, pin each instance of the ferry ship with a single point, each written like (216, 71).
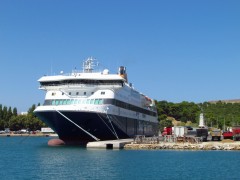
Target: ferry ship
(90, 105)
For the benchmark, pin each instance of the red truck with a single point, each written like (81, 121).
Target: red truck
(227, 135)
(167, 131)
(236, 133)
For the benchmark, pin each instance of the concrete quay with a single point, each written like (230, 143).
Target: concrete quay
(235, 145)
(110, 144)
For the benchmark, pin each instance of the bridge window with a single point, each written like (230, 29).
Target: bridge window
(84, 101)
(100, 101)
(68, 101)
(96, 101)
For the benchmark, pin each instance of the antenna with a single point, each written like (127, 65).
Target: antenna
(51, 69)
(89, 64)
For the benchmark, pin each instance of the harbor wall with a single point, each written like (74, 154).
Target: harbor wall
(187, 146)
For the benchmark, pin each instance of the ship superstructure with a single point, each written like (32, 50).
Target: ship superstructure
(90, 106)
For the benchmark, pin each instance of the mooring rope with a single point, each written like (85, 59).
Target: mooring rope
(78, 126)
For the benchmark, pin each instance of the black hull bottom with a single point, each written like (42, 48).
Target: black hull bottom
(81, 127)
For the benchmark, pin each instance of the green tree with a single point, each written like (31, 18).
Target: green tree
(9, 113)
(1, 112)
(35, 124)
(4, 113)
(1, 124)
(165, 123)
(4, 116)
(31, 109)
(15, 111)
(17, 122)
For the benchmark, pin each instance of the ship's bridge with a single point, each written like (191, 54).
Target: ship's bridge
(81, 79)
(87, 77)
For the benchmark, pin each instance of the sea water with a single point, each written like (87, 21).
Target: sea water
(31, 158)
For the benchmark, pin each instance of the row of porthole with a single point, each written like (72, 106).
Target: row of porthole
(77, 101)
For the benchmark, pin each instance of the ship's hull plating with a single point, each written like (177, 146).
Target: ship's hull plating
(82, 127)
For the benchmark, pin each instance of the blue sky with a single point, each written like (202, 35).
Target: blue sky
(174, 50)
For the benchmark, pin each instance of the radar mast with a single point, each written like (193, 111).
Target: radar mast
(89, 64)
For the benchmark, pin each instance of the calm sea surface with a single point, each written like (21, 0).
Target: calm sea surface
(32, 158)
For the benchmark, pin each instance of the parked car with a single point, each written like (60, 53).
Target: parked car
(189, 128)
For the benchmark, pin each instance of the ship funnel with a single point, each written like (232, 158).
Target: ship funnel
(122, 72)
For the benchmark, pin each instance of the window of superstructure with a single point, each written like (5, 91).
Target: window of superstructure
(92, 101)
(100, 101)
(83, 81)
(53, 94)
(64, 102)
(96, 101)
(68, 101)
(69, 93)
(84, 93)
(92, 92)
(102, 93)
(47, 102)
(84, 101)
(77, 93)
(109, 101)
(62, 93)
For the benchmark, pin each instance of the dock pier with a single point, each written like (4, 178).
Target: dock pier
(110, 144)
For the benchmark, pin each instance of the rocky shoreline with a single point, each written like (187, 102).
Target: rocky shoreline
(187, 146)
